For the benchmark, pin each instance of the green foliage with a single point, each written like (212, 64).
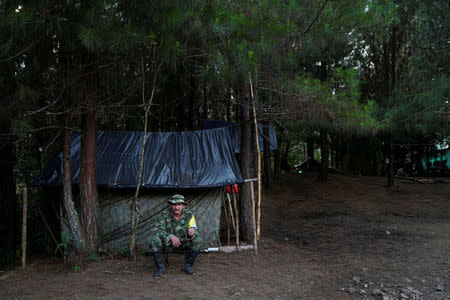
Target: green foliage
(76, 268)
(411, 87)
(187, 296)
(315, 63)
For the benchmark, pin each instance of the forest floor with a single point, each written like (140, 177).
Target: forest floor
(348, 238)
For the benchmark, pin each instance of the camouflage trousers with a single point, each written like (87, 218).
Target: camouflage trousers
(156, 243)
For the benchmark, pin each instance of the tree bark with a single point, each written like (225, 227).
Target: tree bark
(324, 160)
(267, 158)
(277, 158)
(284, 158)
(204, 102)
(310, 147)
(390, 165)
(71, 214)
(88, 163)
(191, 102)
(246, 230)
(228, 105)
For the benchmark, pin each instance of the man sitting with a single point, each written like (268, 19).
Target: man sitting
(175, 228)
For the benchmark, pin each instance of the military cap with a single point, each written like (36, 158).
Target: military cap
(177, 198)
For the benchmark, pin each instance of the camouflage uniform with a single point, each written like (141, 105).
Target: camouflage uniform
(167, 226)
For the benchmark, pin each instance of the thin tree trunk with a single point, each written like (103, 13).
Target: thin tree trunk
(284, 158)
(179, 112)
(258, 155)
(310, 149)
(71, 214)
(267, 158)
(277, 158)
(191, 102)
(324, 160)
(133, 208)
(134, 220)
(228, 105)
(88, 163)
(390, 166)
(204, 102)
(427, 157)
(24, 226)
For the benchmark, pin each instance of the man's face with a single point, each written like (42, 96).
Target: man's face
(177, 209)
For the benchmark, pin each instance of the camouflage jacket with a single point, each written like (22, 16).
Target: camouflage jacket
(167, 225)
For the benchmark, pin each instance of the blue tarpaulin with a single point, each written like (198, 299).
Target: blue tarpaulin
(234, 132)
(192, 159)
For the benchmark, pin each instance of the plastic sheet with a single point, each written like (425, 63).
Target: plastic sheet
(192, 159)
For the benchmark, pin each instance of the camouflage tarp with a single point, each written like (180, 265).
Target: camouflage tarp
(114, 215)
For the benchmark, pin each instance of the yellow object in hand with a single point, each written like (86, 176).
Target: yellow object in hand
(192, 223)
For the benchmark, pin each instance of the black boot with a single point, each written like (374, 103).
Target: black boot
(189, 261)
(159, 262)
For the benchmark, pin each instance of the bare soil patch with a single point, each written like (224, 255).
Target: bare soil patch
(348, 238)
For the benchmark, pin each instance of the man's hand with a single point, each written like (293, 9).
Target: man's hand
(191, 232)
(175, 241)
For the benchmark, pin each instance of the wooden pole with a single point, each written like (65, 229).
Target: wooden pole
(24, 226)
(236, 211)
(231, 212)
(255, 242)
(259, 160)
(48, 228)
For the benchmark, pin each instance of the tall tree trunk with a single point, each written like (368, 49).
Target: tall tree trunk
(309, 149)
(390, 165)
(88, 180)
(204, 101)
(277, 158)
(237, 109)
(228, 105)
(337, 152)
(247, 161)
(71, 214)
(267, 158)
(284, 158)
(191, 102)
(333, 151)
(8, 197)
(427, 158)
(324, 160)
(180, 107)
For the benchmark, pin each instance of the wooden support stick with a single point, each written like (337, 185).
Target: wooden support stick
(24, 226)
(48, 228)
(255, 242)
(236, 213)
(259, 159)
(231, 212)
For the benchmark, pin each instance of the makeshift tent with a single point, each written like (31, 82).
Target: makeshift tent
(199, 162)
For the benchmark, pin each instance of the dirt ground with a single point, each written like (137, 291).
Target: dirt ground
(348, 238)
